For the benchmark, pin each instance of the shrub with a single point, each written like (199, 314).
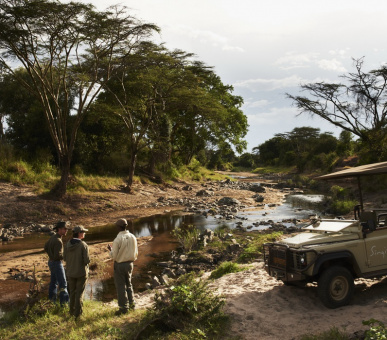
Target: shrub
(225, 268)
(187, 236)
(377, 330)
(254, 249)
(190, 307)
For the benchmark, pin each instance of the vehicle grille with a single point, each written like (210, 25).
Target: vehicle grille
(282, 258)
(276, 256)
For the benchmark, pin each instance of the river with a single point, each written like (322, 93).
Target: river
(162, 243)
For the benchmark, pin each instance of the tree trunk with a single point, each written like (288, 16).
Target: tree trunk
(132, 166)
(60, 188)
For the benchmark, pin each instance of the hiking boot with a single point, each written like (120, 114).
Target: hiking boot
(121, 311)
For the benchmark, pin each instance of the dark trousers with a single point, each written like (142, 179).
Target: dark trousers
(123, 282)
(58, 279)
(77, 287)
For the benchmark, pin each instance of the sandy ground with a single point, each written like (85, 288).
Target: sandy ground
(260, 307)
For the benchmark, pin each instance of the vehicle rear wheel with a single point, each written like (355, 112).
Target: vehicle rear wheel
(335, 287)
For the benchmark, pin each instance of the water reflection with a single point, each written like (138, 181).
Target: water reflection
(160, 227)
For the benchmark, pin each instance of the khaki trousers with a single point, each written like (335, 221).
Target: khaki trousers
(77, 287)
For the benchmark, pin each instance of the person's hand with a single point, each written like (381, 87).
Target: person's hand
(109, 247)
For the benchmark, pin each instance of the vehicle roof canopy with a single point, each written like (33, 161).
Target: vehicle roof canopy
(362, 170)
(358, 171)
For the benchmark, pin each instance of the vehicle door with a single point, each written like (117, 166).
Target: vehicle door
(376, 248)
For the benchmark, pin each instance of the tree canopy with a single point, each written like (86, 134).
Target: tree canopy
(358, 105)
(69, 51)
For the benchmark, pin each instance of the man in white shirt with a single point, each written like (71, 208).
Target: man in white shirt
(124, 251)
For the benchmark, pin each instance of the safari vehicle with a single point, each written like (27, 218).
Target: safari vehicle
(334, 252)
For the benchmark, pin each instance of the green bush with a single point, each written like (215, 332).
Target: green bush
(225, 268)
(187, 236)
(190, 307)
(341, 207)
(377, 330)
(254, 249)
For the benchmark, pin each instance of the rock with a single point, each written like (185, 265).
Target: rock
(169, 272)
(209, 233)
(155, 282)
(164, 280)
(181, 271)
(258, 198)
(182, 259)
(233, 247)
(205, 193)
(228, 201)
(257, 188)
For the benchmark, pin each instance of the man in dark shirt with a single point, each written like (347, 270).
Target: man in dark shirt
(54, 249)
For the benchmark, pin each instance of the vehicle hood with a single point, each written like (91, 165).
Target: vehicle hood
(313, 238)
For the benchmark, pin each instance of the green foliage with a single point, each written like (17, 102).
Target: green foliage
(341, 201)
(377, 330)
(303, 147)
(253, 250)
(20, 172)
(187, 236)
(225, 268)
(191, 307)
(342, 207)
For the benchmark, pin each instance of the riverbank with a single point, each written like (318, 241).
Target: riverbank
(19, 206)
(260, 306)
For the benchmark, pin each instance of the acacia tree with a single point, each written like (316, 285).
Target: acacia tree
(207, 115)
(140, 91)
(68, 50)
(359, 106)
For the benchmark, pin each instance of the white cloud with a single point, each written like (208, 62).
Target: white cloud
(257, 103)
(304, 60)
(292, 60)
(205, 37)
(342, 53)
(331, 65)
(269, 84)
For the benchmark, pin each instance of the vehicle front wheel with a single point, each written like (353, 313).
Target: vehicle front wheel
(335, 287)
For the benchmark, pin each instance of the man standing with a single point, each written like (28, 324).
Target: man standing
(54, 249)
(124, 251)
(76, 255)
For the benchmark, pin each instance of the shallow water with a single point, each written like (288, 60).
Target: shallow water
(162, 243)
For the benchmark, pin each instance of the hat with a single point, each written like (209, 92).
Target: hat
(79, 229)
(62, 224)
(121, 223)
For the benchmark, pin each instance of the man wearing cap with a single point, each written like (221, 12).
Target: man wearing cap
(76, 255)
(124, 251)
(54, 249)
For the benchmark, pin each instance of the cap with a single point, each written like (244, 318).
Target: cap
(62, 224)
(79, 229)
(121, 223)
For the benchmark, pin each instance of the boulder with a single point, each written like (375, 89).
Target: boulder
(228, 201)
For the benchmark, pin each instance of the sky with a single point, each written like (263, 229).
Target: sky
(265, 49)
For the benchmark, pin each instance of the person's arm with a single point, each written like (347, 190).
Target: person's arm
(115, 248)
(86, 257)
(58, 250)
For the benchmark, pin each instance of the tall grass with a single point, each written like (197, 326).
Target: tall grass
(187, 236)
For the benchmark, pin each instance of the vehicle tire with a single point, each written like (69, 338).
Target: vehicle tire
(335, 287)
